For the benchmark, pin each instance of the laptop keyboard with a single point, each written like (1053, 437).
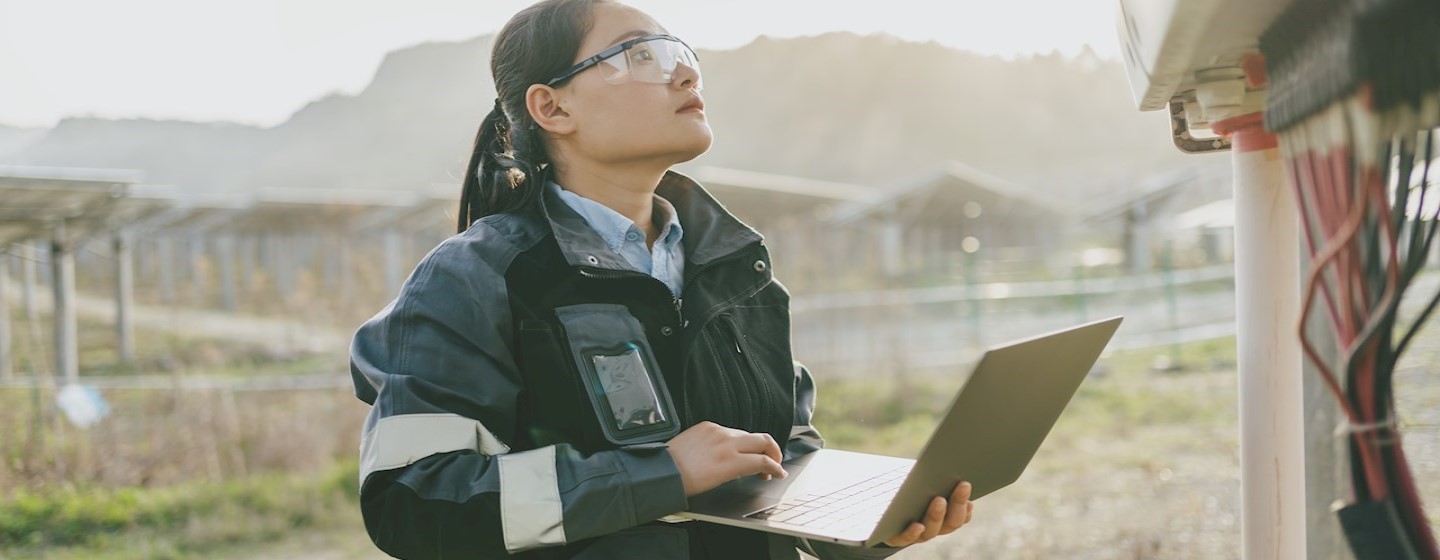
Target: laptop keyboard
(860, 504)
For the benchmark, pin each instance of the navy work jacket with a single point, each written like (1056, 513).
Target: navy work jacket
(489, 435)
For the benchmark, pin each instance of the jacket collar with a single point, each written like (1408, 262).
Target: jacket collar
(711, 232)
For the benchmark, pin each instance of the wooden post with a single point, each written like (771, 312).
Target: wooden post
(62, 274)
(124, 297)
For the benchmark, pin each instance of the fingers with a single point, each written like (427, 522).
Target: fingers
(961, 493)
(934, 519)
(759, 443)
(907, 537)
(773, 450)
(957, 514)
(763, 448)
(767, 466)
(942, 517)
(708, 454)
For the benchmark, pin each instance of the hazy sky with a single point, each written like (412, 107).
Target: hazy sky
(257, 61)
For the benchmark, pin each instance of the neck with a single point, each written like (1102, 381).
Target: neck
(627, 190)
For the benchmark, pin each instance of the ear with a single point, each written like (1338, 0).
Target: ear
(547, 107)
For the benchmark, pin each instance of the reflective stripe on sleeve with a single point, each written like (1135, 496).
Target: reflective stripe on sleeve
(531, 514)
(397, 441)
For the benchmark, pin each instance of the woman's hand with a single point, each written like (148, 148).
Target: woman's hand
(709, 455)
(940, 519)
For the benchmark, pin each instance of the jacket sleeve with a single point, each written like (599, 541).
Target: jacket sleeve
(438, 475)
(804, 438)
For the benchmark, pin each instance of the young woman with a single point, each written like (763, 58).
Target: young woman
(601, 341)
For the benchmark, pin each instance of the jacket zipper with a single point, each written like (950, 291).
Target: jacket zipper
(607, 274)
(686, 414)
(679, 302)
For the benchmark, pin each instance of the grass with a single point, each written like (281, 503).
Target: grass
(1143, 464)
(181, 521)
(1124, 393)
(170, 473)
(157, 438)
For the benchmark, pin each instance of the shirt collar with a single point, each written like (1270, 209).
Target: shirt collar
(671, 232)
(710, 232)
(611, 225)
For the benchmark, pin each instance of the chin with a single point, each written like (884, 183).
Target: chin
(698, 142)
(699, 148)
(687, 146)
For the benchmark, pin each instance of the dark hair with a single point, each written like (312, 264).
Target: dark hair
(508, 166)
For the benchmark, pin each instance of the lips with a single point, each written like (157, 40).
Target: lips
(695, 103)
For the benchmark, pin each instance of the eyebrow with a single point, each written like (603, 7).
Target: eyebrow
(629, 34)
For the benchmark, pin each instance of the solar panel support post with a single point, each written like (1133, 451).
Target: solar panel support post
(1267, 298)
(124, 296)
(29, 277)
(62, 282)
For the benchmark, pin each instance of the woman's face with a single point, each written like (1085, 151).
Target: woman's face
(632, 121)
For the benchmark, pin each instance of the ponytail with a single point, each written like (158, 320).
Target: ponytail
(508, 165)
(507, 169)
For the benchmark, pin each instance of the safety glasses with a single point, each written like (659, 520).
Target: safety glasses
(652, 58)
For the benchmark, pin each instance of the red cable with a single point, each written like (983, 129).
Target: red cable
(1308, 219)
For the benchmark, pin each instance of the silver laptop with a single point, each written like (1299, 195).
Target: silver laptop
(988, 436)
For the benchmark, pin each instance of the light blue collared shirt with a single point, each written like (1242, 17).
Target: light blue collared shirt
(665, 262)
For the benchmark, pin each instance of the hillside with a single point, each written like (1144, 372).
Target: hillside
(864, 109)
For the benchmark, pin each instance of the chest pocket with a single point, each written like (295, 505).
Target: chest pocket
(619, 375)
(737, 375)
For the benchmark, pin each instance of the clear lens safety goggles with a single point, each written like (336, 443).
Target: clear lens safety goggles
(652, 58)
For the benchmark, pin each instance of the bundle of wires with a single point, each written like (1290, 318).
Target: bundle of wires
(1354, 97)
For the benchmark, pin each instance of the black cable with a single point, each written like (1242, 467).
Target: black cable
(1419, 243)
(1429, 239)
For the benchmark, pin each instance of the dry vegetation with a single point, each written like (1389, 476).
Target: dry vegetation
(173, 472)
(1142, 465)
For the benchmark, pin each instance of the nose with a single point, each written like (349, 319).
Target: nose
(686, 77)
